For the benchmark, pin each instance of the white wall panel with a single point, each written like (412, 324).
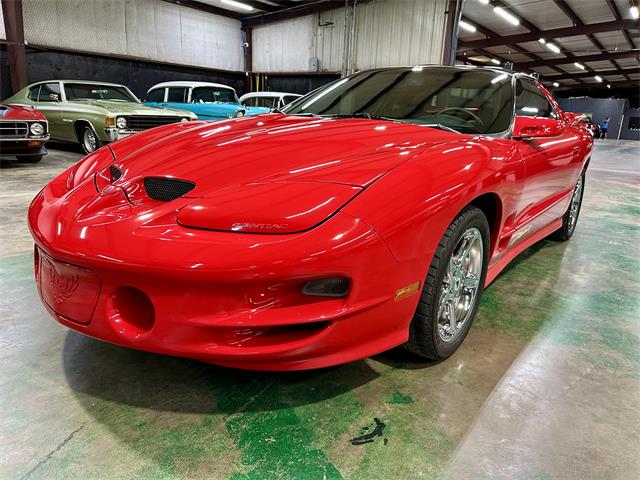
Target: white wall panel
(284, 46)
(388, 33)
(149, 29)
(406, 32)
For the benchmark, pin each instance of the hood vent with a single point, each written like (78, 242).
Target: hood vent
(167, 189)
(115, 173)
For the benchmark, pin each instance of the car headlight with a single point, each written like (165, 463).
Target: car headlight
(240, 113)
(121, 122)
(37, 129)
(184, 119)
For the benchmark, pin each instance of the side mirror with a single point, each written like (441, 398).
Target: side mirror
(54, 97)
(534, 127)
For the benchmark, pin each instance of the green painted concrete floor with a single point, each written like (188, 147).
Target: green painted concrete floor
(546, 385)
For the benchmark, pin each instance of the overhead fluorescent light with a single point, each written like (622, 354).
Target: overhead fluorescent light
(495, 61)
(501, 12)
(484, 2)
(556, 84)
(580, 66)
(598, 78)
(240, 5)
(542, 41)
(608, 86)
(634, 12)
(553, 47)
(500, 78)
(467, 26)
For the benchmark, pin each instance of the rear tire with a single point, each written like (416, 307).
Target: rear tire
(570, 218)
(453, 287)
(30, 158)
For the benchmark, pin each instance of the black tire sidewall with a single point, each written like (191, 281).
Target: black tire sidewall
(470, 219)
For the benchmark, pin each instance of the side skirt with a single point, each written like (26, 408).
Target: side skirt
(517, 249)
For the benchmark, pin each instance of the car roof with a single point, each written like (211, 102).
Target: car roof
(190, 84)
(271, 94)
(486, 68)
(92, 82)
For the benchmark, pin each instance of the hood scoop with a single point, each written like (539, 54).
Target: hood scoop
(166, 189)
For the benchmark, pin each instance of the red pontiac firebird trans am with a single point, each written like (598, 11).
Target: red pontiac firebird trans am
(368, 214)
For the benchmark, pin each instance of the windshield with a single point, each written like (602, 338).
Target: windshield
(87, 91)
(263, 102)
(469, 101)
(213, 95)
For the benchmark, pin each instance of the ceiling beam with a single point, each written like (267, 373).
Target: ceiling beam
(552, 33)
(298, 10)
(617, 71)
(582, 59)
(577, 21)
(600, 86)
(616, 13)
(203, 7)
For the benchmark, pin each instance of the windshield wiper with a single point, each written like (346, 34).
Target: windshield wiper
(366, 115)
(440, 126)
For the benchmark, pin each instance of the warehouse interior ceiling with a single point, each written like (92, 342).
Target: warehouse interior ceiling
(574, 45)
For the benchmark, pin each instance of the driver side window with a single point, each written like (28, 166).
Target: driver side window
(531, 102)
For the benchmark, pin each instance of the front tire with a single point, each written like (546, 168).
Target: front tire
(570, 218)
(89, 139)
(453, 287)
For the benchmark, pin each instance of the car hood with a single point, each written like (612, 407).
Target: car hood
(114, 107)
(275, 148)
(20, 112)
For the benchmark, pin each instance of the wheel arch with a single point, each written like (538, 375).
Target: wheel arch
(490, 204)
(82, 122)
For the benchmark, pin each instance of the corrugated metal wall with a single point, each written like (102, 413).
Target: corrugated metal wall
(3, 34)
(149, 29)
(388, 33)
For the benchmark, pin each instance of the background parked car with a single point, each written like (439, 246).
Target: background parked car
(268, 100)
(93, 113)
(209, 101)
(23, 132)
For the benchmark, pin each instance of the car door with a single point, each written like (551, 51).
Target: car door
(47, 98)
(177, 97)
(551, 163)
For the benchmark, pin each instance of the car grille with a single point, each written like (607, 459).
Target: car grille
(14, 129)
(167, 189)
(142, 122)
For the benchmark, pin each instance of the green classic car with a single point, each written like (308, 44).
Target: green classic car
(93, 113)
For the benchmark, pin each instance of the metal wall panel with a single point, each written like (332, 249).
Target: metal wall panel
(388, 32)
(284, 46)
(393, 33)
(149, 29)
(3, 34)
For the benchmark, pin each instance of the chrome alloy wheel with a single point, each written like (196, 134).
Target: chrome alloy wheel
(89, 139)
(574, 208)
(460, 285)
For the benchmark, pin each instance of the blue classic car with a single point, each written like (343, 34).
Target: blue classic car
(209, 101)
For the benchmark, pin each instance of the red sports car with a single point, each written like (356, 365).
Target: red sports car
(23, 133)
(369, 214)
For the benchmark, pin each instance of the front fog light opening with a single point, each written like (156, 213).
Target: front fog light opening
(335, 287)
(36, 129)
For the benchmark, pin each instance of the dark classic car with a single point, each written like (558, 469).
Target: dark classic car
(23, 132)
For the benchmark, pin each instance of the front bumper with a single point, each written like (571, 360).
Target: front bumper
(225, 298)
(23, 146)
(113, 134)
